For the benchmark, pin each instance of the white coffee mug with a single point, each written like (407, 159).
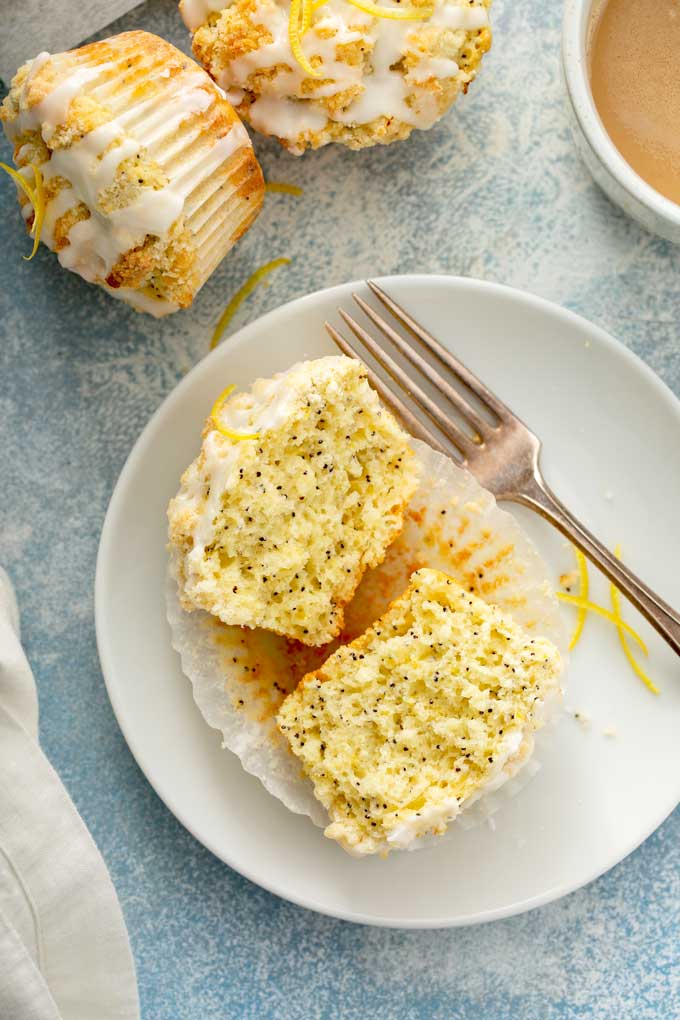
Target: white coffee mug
(614, 175)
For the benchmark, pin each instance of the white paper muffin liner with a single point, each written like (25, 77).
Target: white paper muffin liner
(160, 108)
(240, 676)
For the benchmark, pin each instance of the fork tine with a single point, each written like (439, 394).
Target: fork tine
(409, 420)
(464, 443)
(468, 412)
(473, 383)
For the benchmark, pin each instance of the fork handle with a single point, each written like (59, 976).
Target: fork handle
(537, 496)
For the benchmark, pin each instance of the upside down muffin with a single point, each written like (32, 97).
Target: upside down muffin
(143, 173)
(432, 707)
(350, 71)
(299, 487)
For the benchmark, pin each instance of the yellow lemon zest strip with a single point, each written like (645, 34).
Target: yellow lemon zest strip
(39, 207)
(620, 627)
(20, 180)
(295, 25)
(318, 3)
(593, 607)
(214, 414)
(36, 197)
(397, 13)
(306, 16)
(281, 186)
(240, 296)
(583, 589)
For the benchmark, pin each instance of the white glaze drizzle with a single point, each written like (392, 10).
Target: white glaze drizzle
(195, 12)
(63, 201)
(432, 67)
(290, 117)
(385, 94)
(141, 301)
(53, 109)
(456, 17)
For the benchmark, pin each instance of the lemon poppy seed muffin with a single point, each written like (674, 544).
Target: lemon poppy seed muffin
(358, 72)
(433, 706)
(276, 531)
(149, 175)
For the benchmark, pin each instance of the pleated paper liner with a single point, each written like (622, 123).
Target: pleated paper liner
(240, 676)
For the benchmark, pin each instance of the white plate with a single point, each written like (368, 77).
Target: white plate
(610, 429)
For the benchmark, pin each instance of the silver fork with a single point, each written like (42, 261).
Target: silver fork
(503, 455)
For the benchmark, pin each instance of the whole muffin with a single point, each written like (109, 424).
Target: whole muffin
(149, 175)
(348, 71)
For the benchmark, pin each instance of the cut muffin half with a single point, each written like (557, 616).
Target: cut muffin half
(432, 707)
(276, 531)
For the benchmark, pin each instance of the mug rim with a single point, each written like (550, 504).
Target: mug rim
(577, 15)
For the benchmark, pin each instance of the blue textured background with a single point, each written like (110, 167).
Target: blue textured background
(496, 191)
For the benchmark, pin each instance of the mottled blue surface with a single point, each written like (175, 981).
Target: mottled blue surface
(494, 191)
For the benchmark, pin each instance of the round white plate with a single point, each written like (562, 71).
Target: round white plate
(610, 430)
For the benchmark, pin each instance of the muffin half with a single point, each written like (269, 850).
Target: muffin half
(299, 487)
(149, 175)
(435, 705)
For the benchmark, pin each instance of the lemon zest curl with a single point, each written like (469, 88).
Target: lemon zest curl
(239, 297)
(36, 196)
(215, 415)
(299, 21)
(585, 606)
(620, 629)
(593, 607)
(283, 187)
(583, 590)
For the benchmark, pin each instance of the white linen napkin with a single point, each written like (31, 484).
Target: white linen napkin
(64, 949)
(35, 25)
